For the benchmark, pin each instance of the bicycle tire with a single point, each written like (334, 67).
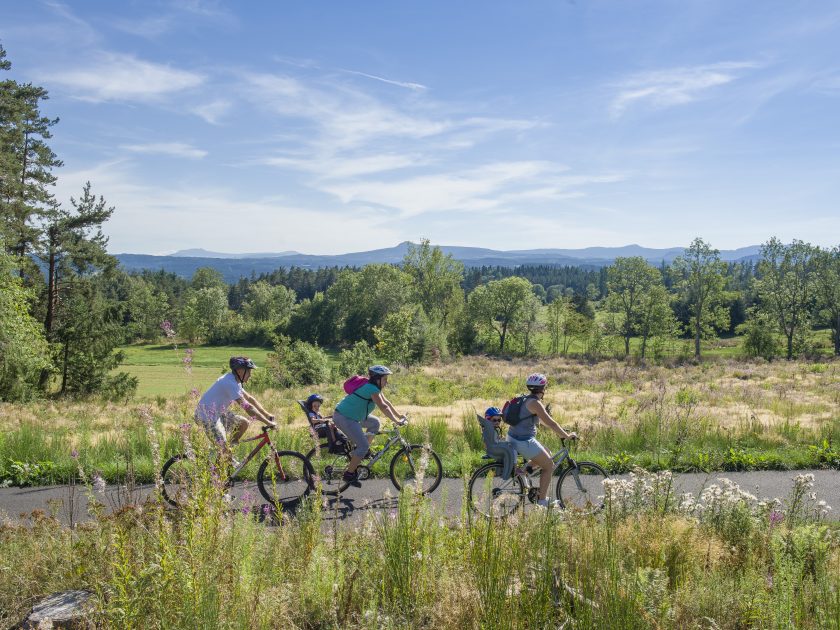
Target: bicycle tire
(589, 497)
(328, 469)
(175, 481)
(402, 476)
(295, 483)
(487, 491)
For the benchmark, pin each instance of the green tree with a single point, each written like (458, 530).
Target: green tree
(702, 283)
(204, 312)
(26, 164)
(146, 308)
(500, 305)
(24, 352)
(207, 278)
(656, 318)
(296, 363)
(266, 303)
(786, 288)
(633, 295)
(393, 337)
(828, 292)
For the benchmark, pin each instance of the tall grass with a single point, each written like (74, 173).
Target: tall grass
(649, 560)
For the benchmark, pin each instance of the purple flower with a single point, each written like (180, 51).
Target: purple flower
(246, 510)
(168, 330)
(776, 517)
(74, 454)
(194, 393)
(98, 482)
(267, 509)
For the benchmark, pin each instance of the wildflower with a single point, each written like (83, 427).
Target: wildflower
(74, 454)
(98, 482)
(167, 328)
(776, 517)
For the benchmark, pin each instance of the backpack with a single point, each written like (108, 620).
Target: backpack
(512, 408)
(353, 383)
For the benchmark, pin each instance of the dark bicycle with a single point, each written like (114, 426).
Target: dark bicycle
(284, 477)
(579, 487)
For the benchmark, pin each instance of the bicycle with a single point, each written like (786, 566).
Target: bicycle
(579, 486)
(283, 483)
(405, 465)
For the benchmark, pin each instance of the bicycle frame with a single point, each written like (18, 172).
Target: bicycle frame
(264, 439)
(394, 439)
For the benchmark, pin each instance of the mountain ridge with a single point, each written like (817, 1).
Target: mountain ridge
(234, 266)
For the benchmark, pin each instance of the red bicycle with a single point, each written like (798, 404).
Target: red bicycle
(284, 477)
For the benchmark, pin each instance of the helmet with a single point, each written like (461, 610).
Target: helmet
(536, 381)
(492, 411)
(379, 370)
(238, 363)
(312, 398)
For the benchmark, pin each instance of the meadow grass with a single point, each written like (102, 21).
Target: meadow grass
(716, 415)
(647, 560)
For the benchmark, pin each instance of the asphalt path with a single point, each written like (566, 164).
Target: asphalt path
(376, 496)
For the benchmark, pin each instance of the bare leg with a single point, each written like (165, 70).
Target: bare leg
(546, 466)
(240, 430)
(354, 463)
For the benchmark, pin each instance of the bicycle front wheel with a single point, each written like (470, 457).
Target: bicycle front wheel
(284, 478)
(581, 487)
(416, 466)
(329, 468)
(492, 496)
(177, 476)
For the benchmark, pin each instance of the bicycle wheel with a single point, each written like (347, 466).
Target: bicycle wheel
(492, 496)
(581, 487)
(284, 478)
(418, 466)
(177, 475)
(328, 469)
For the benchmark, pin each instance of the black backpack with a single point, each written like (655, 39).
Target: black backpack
(512, 409)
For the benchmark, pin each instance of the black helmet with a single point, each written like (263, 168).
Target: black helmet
(238, 363)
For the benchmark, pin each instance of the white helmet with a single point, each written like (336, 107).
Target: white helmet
(536, 380)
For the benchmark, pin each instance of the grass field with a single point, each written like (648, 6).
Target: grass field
(717, 415)
(161, 369)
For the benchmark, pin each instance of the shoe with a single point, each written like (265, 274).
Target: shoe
(351, 479)
(545, 504)
(371, 454)
(235, 463)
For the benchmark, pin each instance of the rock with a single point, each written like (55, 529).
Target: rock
(68, 609)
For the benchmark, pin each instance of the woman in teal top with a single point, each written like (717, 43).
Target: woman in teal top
(352, 416)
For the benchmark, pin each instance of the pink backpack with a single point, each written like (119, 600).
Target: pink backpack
(354, 382)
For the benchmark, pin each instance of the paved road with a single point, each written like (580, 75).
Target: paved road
(378, 495)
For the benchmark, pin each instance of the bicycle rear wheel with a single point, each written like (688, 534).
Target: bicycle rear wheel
(177, 476)
(417, 466)
(492, 496)
(329, 468)
(581, 487)
(284, 478)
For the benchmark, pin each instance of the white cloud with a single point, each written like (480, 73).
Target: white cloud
(675, 86)
(145, 27)
(332, 167)
(119, 77)
(213, 111)
(416, 87)
(176, 149)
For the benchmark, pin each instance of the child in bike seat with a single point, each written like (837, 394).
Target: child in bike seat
(494, 444)
(320, 426)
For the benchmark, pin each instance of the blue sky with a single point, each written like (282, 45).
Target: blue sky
(328, 127)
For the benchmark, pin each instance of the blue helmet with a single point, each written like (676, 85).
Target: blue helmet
(312, 398)
(492, 411)
(238, 363)
(378, 370)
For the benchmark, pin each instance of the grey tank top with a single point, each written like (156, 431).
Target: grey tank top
(527, 427)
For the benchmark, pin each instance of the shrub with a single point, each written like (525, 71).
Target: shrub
(355, 360)
(298, 363)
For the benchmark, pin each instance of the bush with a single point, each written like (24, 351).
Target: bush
(355, 360)
(298, 363)
(759, 340)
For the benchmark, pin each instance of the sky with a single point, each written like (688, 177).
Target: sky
(330, 127)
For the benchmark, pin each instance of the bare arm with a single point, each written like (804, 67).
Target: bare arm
(385, 405)
(536, 407)
(254, 409)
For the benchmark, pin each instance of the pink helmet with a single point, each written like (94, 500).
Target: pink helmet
(536, 381)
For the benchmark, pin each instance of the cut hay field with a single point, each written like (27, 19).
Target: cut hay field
(717, 415)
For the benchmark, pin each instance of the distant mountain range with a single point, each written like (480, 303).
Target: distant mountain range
(233, 266)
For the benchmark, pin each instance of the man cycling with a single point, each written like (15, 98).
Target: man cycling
(523, 434)
(212, 411)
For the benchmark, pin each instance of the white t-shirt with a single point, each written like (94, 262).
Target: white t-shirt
(217, 399)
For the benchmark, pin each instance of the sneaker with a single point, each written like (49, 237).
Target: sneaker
(235, 463)
(371, 454)
(547, 504)
(351, 478)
